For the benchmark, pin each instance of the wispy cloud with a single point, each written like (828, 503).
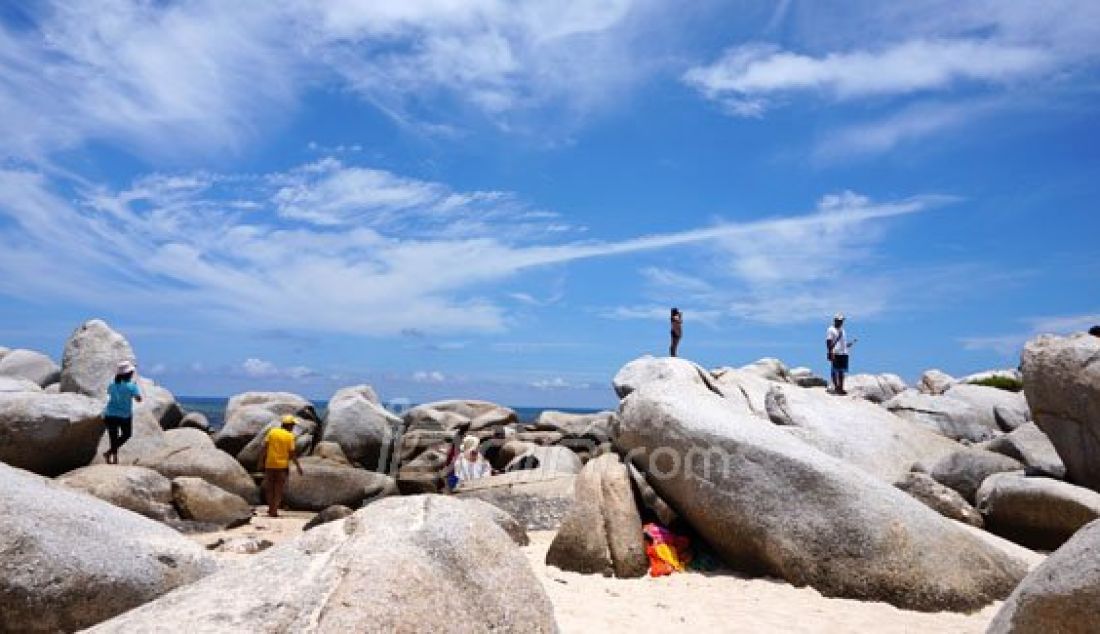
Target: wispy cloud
(795, 273)
(912, 69)
(747, 76)
(907, 125)
(654, 312)
(164, 78)
(1010, 344)
(183, 242)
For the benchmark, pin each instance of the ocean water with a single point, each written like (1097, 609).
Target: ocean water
(214, 409)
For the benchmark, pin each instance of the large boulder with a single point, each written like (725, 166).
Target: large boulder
(877, 388)
(602, 533)
(647, 369)
(855, 430)
(952, 418)
(362, 427)
(71, 560)
(48, 434)
(934, 382)
(200, 501)
(989, 400)
(31, 366)
(91, 357)
(1039, 513)
(248, 414)
(190, 452)
(965, 469)
(537, 500)
(324, 484)
(947, 502)
(1062, 375)
(414, 564)
(1060, 595)
(770, 503)
(136, 489)
(1028, 444)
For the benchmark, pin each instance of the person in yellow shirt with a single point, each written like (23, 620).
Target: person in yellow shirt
(278, 453)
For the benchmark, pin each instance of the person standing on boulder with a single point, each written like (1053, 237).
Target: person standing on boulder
(278, 452)
(118, 416)
(837, 347)
(677, 323)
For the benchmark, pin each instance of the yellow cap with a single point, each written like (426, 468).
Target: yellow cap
(289, 420)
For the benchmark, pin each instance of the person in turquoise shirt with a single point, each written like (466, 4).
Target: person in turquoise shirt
(119, 413)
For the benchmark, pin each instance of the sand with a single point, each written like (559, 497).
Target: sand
(722, 602)
(712, 602)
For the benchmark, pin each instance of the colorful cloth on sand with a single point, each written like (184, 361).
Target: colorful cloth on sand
(667, 551)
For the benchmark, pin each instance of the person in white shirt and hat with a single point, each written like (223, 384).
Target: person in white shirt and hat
(837, 348)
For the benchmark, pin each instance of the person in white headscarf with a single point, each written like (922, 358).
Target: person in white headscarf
(470, 464)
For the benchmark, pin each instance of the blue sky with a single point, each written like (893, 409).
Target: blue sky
(502, 200)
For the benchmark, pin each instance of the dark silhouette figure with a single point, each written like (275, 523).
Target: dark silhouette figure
(1095, 331)
(677, 322)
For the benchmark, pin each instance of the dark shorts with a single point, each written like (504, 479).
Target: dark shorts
(119, 430)
(840, 362)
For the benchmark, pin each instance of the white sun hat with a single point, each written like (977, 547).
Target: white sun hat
(125, 367)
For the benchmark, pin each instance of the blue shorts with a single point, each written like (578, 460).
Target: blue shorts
(840, 363)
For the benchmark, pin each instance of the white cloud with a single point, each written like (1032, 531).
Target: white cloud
(163, 78)
(258, 368)
(434, 376)
(750, 74)
(174, 243)
(558, 383)
(261, 369)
